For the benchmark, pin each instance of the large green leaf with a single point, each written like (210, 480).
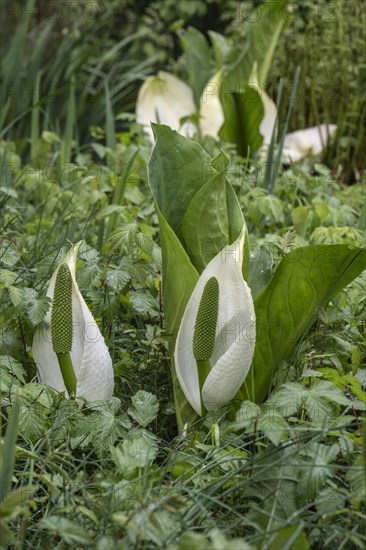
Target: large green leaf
(179, 279)
(261, 39)
(243, 112)
(306, 279)
(221, 48)
(199, 60)
(234, 212)
(205, 225)
(260, 271)
(178, 168)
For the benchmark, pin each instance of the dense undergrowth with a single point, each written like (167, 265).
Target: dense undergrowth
(115, 471)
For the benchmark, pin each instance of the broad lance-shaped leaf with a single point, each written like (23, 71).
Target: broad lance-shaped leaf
(89, 354)
(205, 225)
(235, 334)
(201, 180)
(179, 278)
(198, 59)
(244, 112)
(306, 279)
(178, 168)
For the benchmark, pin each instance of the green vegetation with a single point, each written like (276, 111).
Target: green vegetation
(282, 468)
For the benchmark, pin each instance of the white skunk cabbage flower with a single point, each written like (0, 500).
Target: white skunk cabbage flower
(310, 141)
(165, 99)
(270, 108)
(297, 145)
(211, 112)
(216, 338)
(91, 362)
(269, 118)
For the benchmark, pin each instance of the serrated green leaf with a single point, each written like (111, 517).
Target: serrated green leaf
(101, 427)
(36, 306)
(16, 295)
(273, 425)
(13, 366)
(142, 301)
(317, 468)
(138, 451)
(7, 277)
(117, 278)
(144, 409)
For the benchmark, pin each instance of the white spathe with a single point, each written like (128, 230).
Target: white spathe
(269, 118)
(235, 334)
(165, 99)
(211, 113)
(89, 354)
(299, 144)
(310, 141)
(270, 109)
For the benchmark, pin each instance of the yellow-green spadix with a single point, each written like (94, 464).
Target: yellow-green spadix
(89, 354)
(232, 351)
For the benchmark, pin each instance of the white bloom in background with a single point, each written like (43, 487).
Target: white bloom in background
(299, 144)
(269, 118)
(211, 112)
(89, 354)
(310, 141)
(165, 99)
(217, 332)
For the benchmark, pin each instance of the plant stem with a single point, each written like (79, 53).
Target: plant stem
(67, 371)
(203, 368)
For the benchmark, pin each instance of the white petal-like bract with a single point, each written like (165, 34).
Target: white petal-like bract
(235, 334)
(165, 99)
(312, 140)
(269, 118)
(89, 354)
(211, 112)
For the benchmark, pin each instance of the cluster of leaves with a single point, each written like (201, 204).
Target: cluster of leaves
(111, 474)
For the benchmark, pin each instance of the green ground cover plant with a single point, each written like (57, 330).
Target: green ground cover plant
(281, 467)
